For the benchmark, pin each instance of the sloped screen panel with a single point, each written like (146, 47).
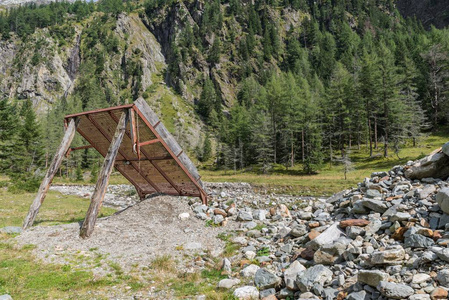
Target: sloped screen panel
(149, 157)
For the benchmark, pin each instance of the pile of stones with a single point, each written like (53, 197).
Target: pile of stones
(385, 239)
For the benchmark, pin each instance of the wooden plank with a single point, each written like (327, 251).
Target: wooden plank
(99, 110)
(54, 166)
(103, 178)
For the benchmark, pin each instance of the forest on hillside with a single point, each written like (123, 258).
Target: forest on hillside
(309, 80)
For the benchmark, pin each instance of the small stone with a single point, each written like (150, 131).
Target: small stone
(307, 253)
(221, 212)
(393, 255)
(376, 205)
(418, 241)
(259, 214)
(420, 278)
(331, 234)
(264, 279)
(5, 297)
(246, 293)
(395, 290)
(291, 273)
(371, 277)
(443, 199)
(249, 271)
(308, 296)
(438, 293)
(228, 283)
(226, 265)
(299, 230)
(400, 216)
(419, 297)
(316, 274)
(357, 295)
(443, 277)
(267, 293)
(218, 219)
(244, 216)
(354, 222)
(372, 193)
(240, 240)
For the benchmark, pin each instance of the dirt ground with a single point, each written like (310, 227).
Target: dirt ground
(132, 237)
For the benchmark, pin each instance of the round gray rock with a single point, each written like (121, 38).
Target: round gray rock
(264, 279)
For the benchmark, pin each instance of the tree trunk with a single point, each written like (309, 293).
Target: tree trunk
(51, 172)
(375, 132)
(386, 129)
(103, 178)
(370, 138)
(302, 146)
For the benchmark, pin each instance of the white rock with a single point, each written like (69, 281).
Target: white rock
(246, 293)
(249, 271)
(291, 274)
(420, 278)
(184, 216)
(228, 283)
(250, 254)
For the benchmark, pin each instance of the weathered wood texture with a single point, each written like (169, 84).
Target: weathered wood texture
(54, 166)
(149, 157)
(103, 178)
(167, 138)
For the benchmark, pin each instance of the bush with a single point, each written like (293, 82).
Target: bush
(24, 183)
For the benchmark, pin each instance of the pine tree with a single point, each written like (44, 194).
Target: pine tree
(208, 100)
(8, 134)
(207, 149)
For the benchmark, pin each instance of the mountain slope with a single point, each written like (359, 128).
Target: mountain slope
(429, 12)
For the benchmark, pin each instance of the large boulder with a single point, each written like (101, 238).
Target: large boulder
(435, 165)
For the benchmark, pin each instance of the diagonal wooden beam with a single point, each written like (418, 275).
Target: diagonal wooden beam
(103, 179)
(54, 166)
(106, 136)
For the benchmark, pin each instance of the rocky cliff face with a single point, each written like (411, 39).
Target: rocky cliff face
(430, 12)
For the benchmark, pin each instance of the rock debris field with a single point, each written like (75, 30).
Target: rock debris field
(384, 239)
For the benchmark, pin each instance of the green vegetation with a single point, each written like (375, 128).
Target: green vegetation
(56, 209)
(331, 178)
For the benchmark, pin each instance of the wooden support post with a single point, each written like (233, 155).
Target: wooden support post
(51, 172)
(103, 179)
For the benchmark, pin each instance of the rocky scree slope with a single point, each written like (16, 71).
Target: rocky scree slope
(385, 239)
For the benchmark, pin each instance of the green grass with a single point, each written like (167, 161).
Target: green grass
(329, 179)
(24, 278)
(56, 209)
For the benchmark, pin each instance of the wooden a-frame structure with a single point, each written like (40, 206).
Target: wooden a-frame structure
(132, 139)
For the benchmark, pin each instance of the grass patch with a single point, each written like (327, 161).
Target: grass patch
(56, 209)
(330, 178)
(24, 278)
(163, 263)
